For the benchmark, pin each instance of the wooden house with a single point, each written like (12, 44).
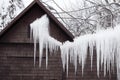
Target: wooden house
(16, 50)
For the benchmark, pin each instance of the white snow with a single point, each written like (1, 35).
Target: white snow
(9, 10)
(40, 33)
(106, 43)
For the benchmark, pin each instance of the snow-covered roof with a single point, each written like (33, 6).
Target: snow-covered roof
(38, 27)
(107, 47)
(47, 12)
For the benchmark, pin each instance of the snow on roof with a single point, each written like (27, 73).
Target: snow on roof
(106, 43)
(40, 31)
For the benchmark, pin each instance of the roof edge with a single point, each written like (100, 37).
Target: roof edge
(55, 19)
(16, 18)
(48, 13)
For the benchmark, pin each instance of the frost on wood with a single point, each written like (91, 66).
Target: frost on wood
(40, 33)
(107, 45)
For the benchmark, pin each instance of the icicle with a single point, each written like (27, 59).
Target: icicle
(40, 33)
(40, 51)
(67, 62)
(46, 55)
(72, 51)
(118, 61)
(91, 48)
(98, 56)
(84, 50)
(65, 55)
(118, 52)
(34, 53)
(106, 43)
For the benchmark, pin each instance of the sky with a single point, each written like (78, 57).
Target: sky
(65, 4)
(27, 2)
(61, 3)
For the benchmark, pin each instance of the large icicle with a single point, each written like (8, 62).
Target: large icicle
(106, 43)
(40, 33)
(75, 50)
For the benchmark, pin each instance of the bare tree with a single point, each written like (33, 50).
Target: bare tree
(89, 16)
(9, 9)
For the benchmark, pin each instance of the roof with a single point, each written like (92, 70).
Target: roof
(47, 12)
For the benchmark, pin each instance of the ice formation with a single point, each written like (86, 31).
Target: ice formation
(105, 42)
(40, 34)
(107, 46)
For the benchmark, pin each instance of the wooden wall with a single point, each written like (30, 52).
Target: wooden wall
(16, 55)
(20, 31)
(16, 51)
(16, 63)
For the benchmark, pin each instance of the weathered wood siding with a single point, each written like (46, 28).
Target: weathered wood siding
(16, 63)
(20, 31)
(16, 55)
(16, 51)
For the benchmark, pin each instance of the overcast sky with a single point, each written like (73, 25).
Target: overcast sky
(27, 2)
(65, 4)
